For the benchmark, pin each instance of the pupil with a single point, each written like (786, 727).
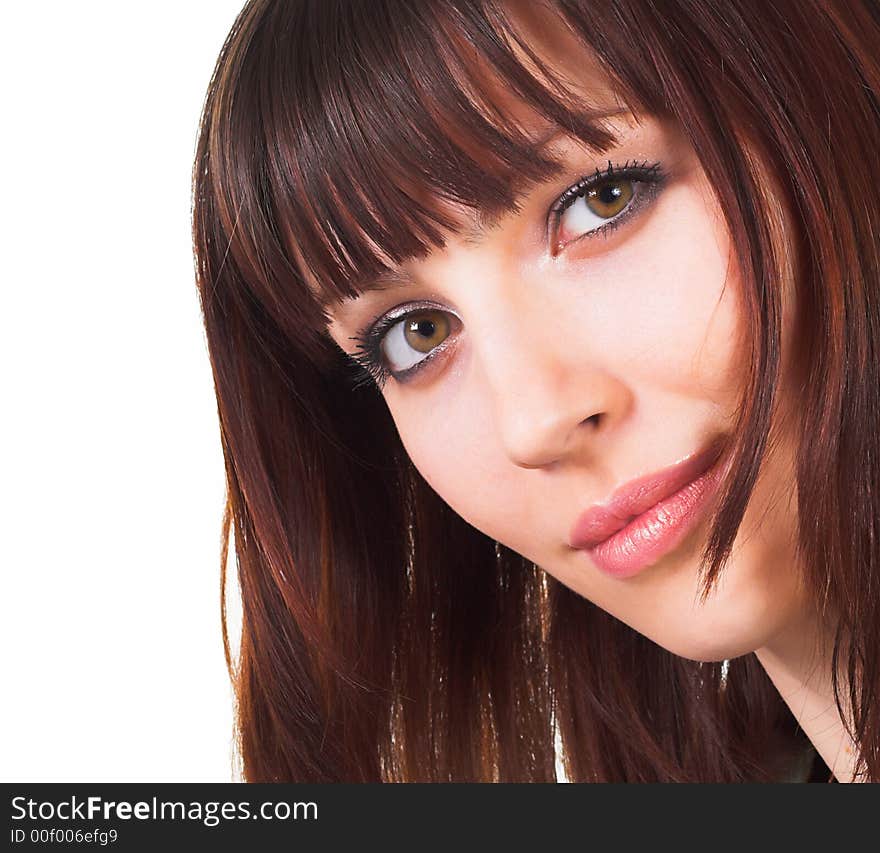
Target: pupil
(425, 327)
(609, 194)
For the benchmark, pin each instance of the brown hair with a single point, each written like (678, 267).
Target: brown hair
(383, 637)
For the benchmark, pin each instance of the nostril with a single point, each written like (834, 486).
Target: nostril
(593, 420)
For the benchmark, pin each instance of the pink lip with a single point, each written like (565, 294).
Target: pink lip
(673, 496)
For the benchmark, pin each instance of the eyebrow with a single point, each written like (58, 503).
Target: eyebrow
(478, 226)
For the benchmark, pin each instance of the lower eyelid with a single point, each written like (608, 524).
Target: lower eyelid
(427, 363)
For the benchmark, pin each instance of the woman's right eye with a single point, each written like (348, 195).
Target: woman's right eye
(418, 333)
(399, 345)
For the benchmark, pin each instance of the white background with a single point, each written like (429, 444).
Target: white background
(112, 475)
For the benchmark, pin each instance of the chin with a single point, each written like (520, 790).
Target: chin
(706, 649)
(719, 630)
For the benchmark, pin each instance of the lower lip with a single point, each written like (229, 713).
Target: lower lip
(656, 531)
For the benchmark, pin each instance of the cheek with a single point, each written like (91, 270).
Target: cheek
(666, 302)
(457, 452)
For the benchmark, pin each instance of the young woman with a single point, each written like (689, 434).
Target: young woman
(546, 342)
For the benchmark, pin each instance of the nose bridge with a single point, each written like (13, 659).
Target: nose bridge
(546, 396)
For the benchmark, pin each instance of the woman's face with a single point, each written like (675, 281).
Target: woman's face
(555, 376)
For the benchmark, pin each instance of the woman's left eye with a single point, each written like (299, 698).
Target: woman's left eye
(602, 201)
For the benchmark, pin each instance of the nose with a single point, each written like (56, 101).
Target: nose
(551, 398)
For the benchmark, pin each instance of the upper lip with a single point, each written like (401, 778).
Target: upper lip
(631, 499)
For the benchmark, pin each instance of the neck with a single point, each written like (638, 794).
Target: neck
(798, 662)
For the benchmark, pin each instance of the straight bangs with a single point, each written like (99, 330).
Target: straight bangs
(378, 123)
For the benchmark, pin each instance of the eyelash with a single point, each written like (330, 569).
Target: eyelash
(367, 362)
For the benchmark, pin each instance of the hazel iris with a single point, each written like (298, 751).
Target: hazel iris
(610, 198)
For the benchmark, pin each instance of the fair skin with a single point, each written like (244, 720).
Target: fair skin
(562, 375)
